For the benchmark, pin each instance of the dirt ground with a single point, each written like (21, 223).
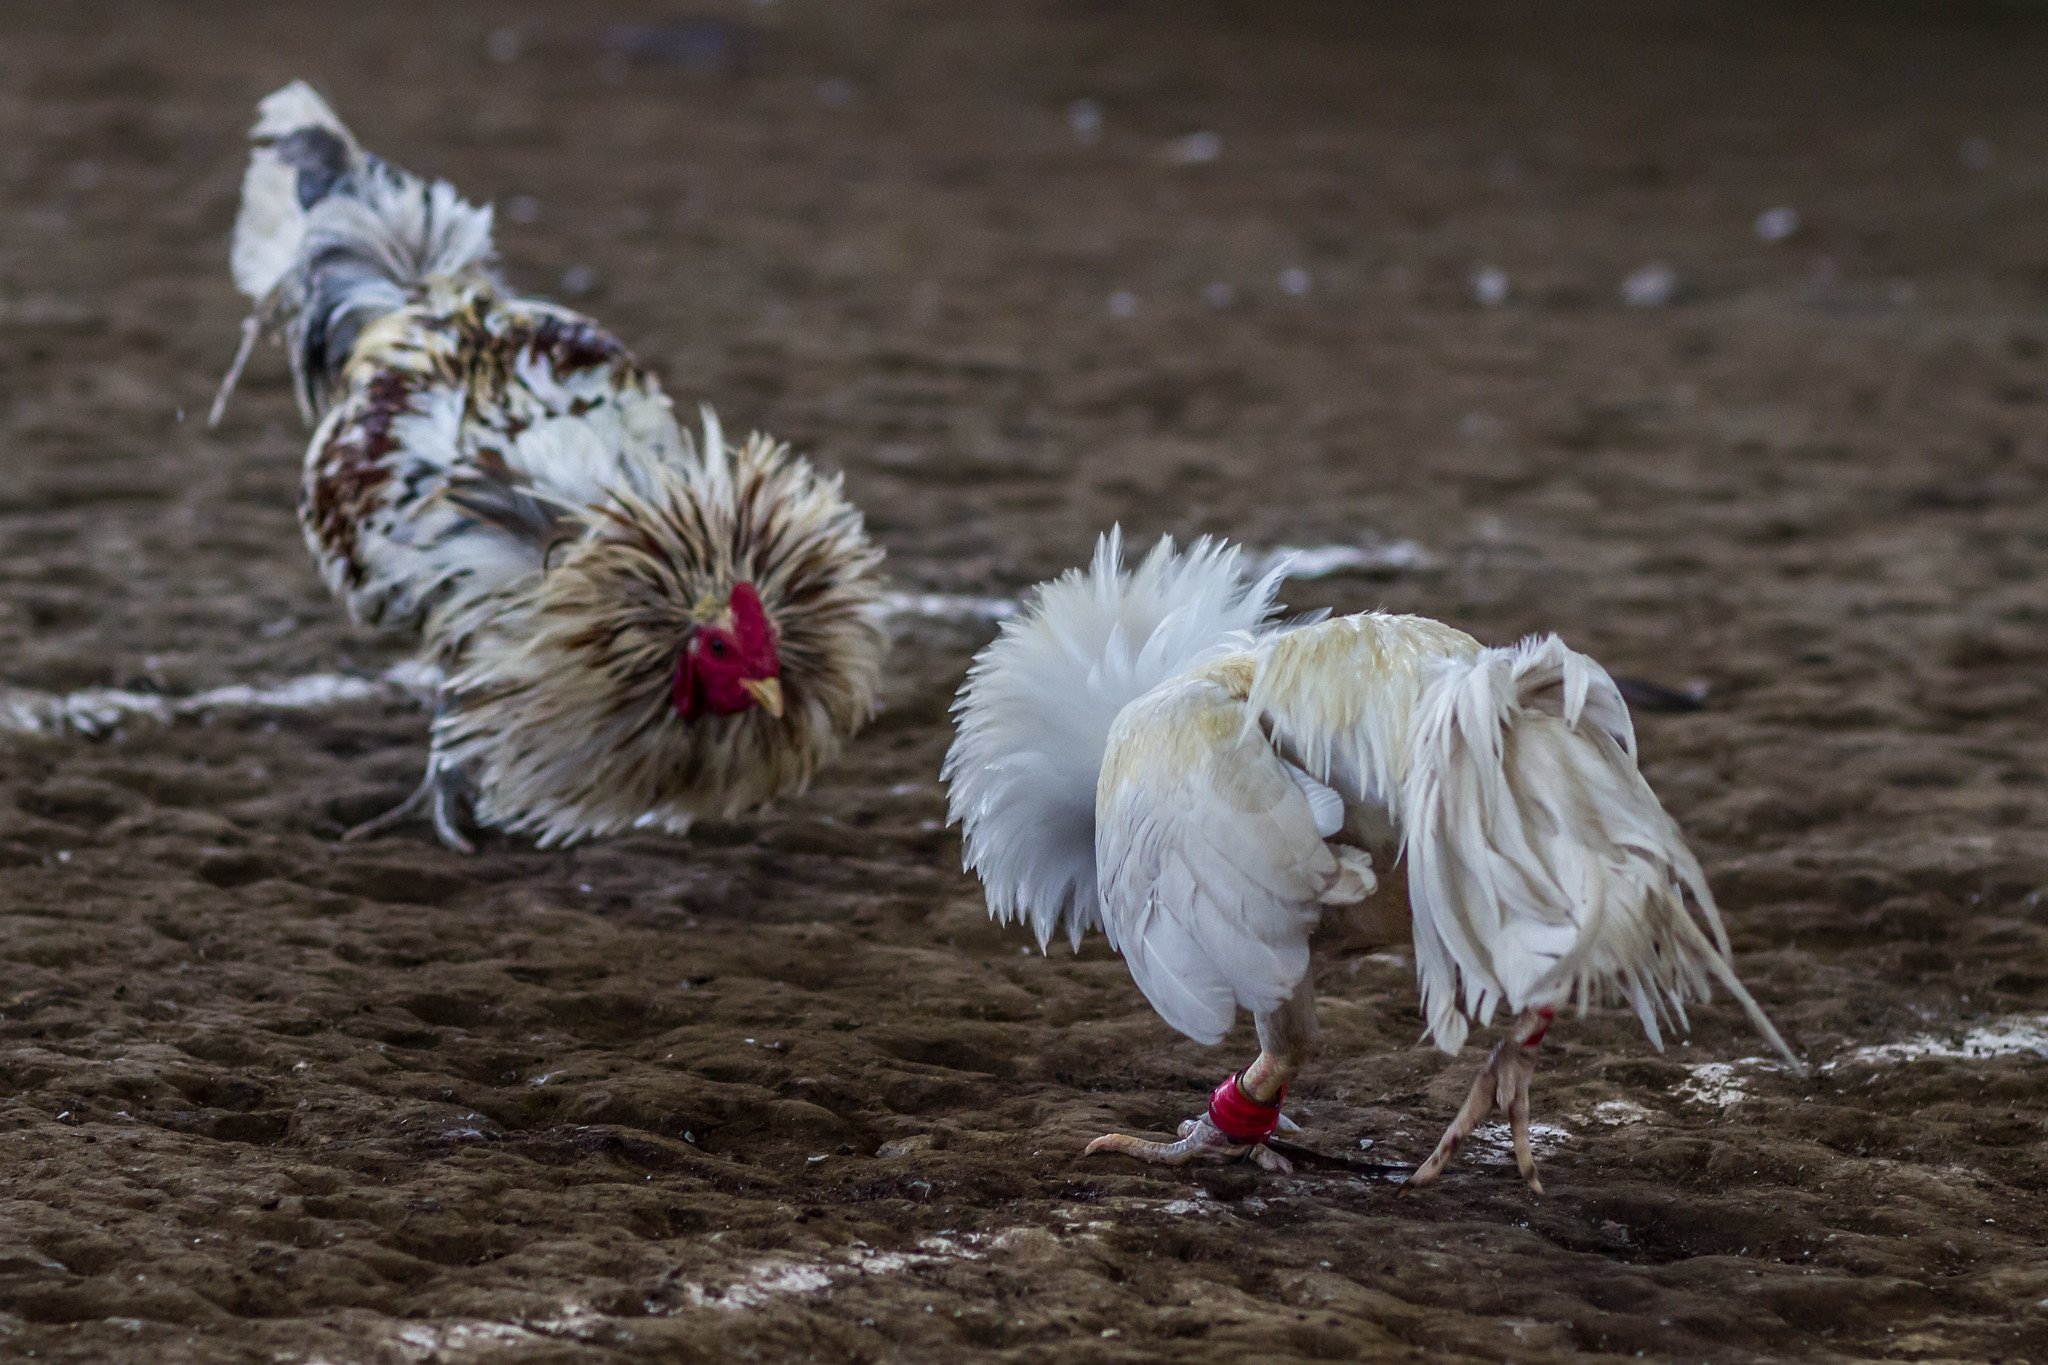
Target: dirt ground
(779, 1091)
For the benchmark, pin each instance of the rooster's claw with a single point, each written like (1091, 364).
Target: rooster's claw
(1199, 1141)
(441, 793)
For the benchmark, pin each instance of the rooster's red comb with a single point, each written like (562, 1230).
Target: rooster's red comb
(751, 628)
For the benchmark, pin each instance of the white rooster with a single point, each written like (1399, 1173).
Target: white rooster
(632, 629)
(1147, 752)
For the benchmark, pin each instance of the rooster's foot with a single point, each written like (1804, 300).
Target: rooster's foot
(1199, 1141)
(1502, 1083)
(1236, 1127)
(441, 793)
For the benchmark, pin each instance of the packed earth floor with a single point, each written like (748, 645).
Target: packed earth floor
(1709, 336)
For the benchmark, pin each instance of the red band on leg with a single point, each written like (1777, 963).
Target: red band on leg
(1542, 1030)
(1241, 1118)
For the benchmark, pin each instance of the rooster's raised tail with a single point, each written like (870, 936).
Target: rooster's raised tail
(1541, 866)
(1035, 715)
(330, 238)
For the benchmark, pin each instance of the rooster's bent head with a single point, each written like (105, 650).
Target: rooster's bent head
(730, 663)
(696, 643)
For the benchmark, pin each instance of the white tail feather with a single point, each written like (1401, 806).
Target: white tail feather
(272, 221)
(1541, 866)
(1035, 715)
(329, 238)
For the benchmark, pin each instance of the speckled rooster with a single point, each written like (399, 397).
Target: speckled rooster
(1147, 752)
(633, 628)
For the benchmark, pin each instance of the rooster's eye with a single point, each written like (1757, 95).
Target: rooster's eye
(717, 647)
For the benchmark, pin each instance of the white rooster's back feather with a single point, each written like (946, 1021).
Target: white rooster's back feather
(1338, 696)
(1034, 717)
(1541, 867)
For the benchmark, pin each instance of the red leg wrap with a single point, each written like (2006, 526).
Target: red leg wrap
(1241, 1118)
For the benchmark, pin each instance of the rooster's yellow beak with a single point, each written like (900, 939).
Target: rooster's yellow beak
(767, 694)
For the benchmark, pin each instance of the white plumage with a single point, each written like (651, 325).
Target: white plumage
(1149, 750)
(1214, 867)
(1036, 713)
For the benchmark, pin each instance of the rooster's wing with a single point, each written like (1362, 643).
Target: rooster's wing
(1212, 858)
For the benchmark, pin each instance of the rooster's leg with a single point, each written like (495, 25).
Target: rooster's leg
(1504, 1083)
(442, 793)
(1245, 1110)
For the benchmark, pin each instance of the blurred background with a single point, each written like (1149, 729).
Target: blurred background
(1472, 274)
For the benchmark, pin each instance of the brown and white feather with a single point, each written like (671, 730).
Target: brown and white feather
(499, 476)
